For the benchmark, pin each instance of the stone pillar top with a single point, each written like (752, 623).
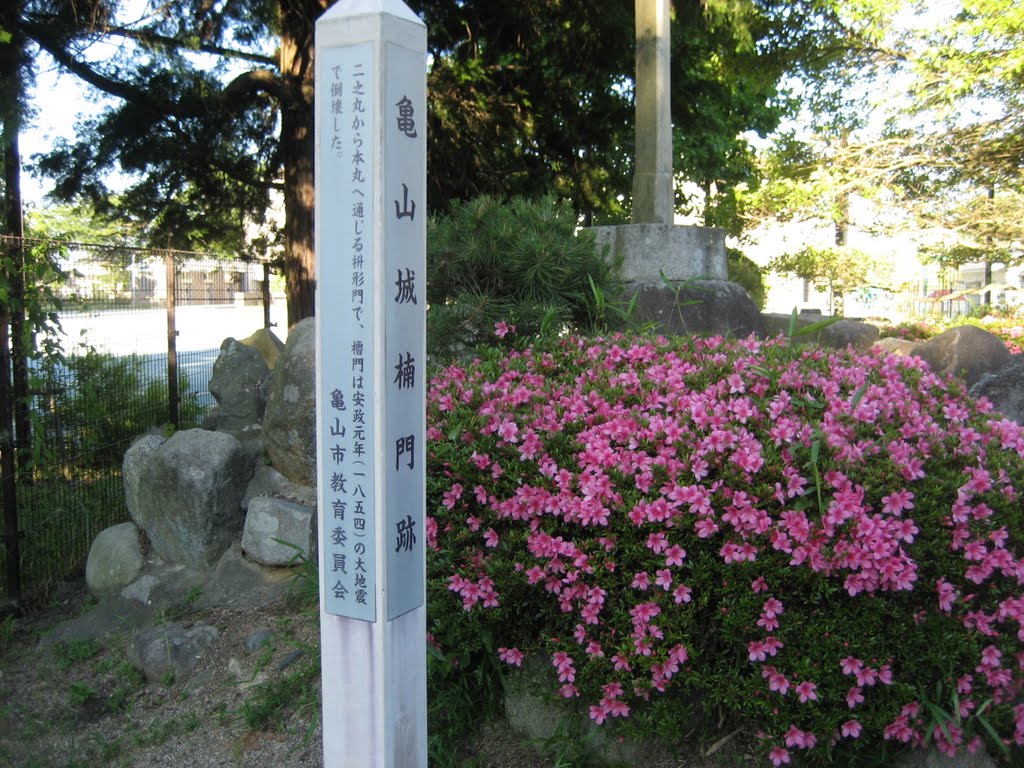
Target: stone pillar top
(653, 198)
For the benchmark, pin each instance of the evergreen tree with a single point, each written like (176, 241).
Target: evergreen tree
(526, 98)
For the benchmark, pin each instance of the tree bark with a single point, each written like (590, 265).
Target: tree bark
(298, 21)
(12, 416)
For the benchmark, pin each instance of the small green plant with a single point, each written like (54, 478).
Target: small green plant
(294, 692)
(80, 693)
(7, 630)
(305, 584)
(70, 653)
(104, 747)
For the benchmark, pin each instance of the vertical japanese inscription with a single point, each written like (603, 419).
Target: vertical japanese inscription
(346, 279)
(405, 317)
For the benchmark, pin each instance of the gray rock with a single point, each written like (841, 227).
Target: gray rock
(115, 559)
(849, 333)
(111, 617)
(290, 659)
(269, 482)
(1004, 389)
(258, 639)
(835, 333)
(706, 307)
(271, 521)
(135, 460)
(893, 346)
(237, 381)
(169, 651)
(240, 583)
(967, 351)
(192, 509)
(932, 758)
(164, 585)
(289, 422)
(265, 342)
(535, 716)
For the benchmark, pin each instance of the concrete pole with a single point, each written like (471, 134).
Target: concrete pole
(653, 201)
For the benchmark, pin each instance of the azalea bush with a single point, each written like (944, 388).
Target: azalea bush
(1009, 329)
(820, 546)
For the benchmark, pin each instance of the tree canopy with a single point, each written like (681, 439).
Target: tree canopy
(526, 98)
(945, 146)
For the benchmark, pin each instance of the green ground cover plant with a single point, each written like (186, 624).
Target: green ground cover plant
(822, 546)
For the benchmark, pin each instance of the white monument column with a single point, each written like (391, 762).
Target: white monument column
(371, 367)
(653, 201)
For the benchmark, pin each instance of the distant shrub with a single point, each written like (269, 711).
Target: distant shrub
(823, 546)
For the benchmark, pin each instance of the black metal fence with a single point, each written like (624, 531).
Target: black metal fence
(136, 334)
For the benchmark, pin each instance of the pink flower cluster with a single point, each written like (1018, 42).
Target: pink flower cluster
(657, 492)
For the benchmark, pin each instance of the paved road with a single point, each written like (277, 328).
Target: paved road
(201, 331)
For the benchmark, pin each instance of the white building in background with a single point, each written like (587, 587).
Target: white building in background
(903, 285)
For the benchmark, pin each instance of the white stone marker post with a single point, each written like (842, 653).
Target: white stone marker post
(371, 365)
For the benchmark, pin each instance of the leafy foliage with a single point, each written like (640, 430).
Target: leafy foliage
(94, 404)
(821, 544)
(836, 269)
(517, 262)
(744, 271)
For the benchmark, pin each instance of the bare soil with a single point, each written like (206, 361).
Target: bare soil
(81, 704)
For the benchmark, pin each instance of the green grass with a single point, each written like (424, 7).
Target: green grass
(66, 655)
(270, 704)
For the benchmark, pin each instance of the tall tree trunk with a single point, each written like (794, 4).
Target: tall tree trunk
(842, 240)
(11, 314)
(298, 21)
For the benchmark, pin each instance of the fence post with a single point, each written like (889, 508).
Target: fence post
(8, 468)
(172, 342)
(266, 296)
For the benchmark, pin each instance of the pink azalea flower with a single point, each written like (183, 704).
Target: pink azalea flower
(806, 691)
(502, 329)
(511, 656)
(854, 697)
(851, 729)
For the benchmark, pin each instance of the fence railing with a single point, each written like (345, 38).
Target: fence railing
(138, 332)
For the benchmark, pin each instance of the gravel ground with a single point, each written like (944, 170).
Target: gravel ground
(82, 705)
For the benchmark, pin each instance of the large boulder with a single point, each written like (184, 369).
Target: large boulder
(706, 307)
(277, 530)
(237, 384)
(238, 582)
(1004, 389)
(289, 423)
(849, 333)
(170, 652)
(269, 482)
(893, 346)
(135, 460)
(967, 351)
(115, 560)
(192, 509)
(265, 342)
(836, 333)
